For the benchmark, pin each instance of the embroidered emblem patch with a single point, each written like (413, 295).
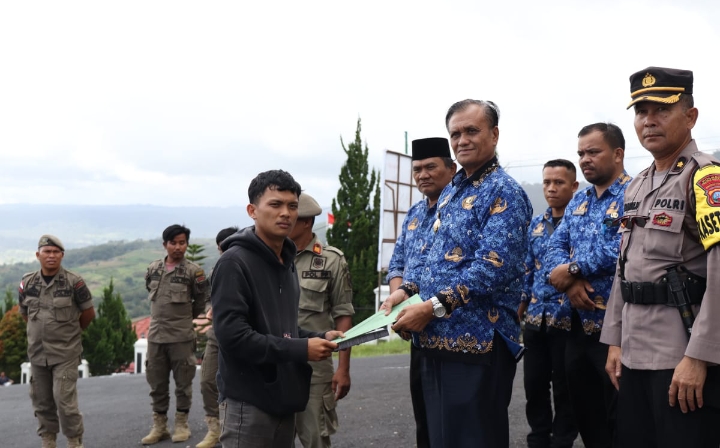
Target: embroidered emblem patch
(662, 219)
(318, 263)
(317, 248)
(413, 224)
(612, 211)
(711, 186)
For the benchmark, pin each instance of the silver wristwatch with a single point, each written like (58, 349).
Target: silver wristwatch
(438, 308)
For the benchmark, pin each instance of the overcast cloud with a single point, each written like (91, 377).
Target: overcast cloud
(182, 103)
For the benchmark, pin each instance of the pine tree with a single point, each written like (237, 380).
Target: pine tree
(357, 222)
(194, 253)
(9, 301)
(13, 343)
(108, 342)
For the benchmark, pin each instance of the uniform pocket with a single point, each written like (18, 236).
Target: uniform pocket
(153, 287)
(329, 422)
(63, 308)
(179, 293)
(315, 291)
(668, 244)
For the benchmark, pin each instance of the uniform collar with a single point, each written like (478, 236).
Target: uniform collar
(314, 246)
(616, 186)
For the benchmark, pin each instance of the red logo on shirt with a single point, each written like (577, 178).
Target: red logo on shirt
(663, 219)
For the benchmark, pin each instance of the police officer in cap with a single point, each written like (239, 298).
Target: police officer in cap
(661, 321)
(325, 304)
(57, 306)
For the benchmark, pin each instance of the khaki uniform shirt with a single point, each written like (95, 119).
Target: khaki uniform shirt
(325, 294)
(176, 298)
(652, 337)
(53, 311)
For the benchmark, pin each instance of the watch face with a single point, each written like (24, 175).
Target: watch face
(439, 311)
(574, 269)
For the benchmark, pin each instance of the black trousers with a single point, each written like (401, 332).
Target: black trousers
(593, 397)
(543, 365)
(646, 420)
(467, 404)
(418, 401)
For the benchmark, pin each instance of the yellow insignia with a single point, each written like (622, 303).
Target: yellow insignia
(648, 80)
(680, 164)
(613, 210)
(199, 273)
(413, 224)
(468, 202)
(436, 226)
(582, 209)
(444, 202)
(538, 265)
(493, 315)
(534, 299)
(498, 206)
(317, 248)
(599, 304)
(493, 258)
(538, 230)
(706, 186)
(624, 178)
(454, 256)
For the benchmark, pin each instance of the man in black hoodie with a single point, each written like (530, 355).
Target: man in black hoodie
(264, 375)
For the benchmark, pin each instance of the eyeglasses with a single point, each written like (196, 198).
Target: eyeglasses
(629, 221)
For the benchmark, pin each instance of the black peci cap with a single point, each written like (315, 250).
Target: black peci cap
(425, 148)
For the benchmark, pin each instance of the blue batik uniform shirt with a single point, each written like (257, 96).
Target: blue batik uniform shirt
(587, 237)
(475, 264)
(544, 300)
(412, 245)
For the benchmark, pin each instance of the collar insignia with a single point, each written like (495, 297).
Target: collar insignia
(679, 165)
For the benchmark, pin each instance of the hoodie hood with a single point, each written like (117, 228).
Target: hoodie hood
(247, 239)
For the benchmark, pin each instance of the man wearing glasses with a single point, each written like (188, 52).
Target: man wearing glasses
(661, 322)
(580, 260)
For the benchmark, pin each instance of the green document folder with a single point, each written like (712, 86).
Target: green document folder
(367, 330)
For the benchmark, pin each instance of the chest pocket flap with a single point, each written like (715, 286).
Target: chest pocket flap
(63, 308)
(314, 294)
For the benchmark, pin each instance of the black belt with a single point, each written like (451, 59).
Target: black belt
(647, 293)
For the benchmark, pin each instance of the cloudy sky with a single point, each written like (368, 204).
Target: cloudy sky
(182, 103)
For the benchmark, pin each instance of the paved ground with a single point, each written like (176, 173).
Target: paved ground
(376, 413)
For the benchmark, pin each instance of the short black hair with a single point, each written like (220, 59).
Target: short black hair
(224, 233)
(687, 101)
(611, 133)
(174, 230)
(275, 180)
(492, 112)
(448, 162)
(561, 163)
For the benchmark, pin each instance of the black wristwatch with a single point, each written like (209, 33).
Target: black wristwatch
(574, 269)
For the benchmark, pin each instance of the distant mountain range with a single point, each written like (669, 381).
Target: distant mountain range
(85, 225)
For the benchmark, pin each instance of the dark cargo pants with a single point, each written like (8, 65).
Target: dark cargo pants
(179, 358)
(208, 372)
(53, 391)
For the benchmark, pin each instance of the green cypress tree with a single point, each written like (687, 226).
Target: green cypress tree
(13, 343)
(108, 342)
(9, 300)
(194, 253)
(357, 222)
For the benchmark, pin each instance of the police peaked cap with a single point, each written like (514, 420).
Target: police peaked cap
(660, 85)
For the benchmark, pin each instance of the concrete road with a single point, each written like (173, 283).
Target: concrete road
(376, 413)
